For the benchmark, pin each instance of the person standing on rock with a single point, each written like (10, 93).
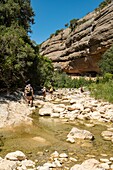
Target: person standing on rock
(29, 93)
(81, 89)
(51, 91)
(44, 92)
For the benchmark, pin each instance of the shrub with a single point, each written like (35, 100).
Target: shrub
(57, 32)
(102, 91)
(106, 63)
(107, 77)
(62, 80)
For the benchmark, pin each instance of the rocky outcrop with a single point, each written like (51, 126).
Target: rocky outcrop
(14, 111)
(79, 51)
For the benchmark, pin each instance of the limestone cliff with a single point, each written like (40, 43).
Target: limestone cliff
(79, 51)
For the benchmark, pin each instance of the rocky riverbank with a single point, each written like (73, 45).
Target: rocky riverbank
(67, 105)
(13, 110)
(18, 161)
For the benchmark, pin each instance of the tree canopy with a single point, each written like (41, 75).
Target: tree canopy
(106, 63)
(19, 56)
(18, 12)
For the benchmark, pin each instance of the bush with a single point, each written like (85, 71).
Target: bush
(44, 71)
(102, 91)
(62, 80)
(107, 77)
(106, 63)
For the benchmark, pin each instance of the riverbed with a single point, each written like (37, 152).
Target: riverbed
(38, 135)
(47, 135)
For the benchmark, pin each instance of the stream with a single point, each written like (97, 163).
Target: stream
(47, 135)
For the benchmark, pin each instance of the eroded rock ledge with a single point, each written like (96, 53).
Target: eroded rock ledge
(78, 51)
(14, 111)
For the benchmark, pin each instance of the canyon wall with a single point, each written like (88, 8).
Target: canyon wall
(79, 51)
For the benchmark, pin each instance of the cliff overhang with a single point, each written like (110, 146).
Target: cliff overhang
(79, 51)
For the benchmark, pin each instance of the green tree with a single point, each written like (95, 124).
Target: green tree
(106, 63)
(44, 71)
(66, 25)
(73, 24)
(17, 56)
(17, 12)
(104, 3)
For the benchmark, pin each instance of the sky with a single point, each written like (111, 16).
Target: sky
(52, 15)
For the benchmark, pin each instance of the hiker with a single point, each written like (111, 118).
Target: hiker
(51, 91)
(44, 92)
(28, 94)
(81, 89)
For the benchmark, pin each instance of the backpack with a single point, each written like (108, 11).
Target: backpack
(51, 89)
(28, 90)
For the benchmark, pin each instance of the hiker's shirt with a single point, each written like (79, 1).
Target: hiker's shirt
(28, 91)
(44, 91)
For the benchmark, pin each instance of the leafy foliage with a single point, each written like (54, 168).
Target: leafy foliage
(107, 77)
(16, 12)
(103, 4)
(103, 90)
(19, 56)
(44, 71)
(66, 25)
(58, 31)
(106, 63)
(73, 24)
(62, 80)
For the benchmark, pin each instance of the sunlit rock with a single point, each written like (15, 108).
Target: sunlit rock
(15, 156)
(79, 134)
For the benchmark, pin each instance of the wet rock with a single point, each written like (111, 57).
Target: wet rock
(111, 159)
(90, 164)
(46, 111)
(55, 115)
(7, 164)
(73, 159)
(28, 164)
(107, 135)
(76, 133)
(111, 167)
(63, 155)
(43, 168)
(104, 160)
(59, 108)
(15, 156)
(105, 165)
(55, 155)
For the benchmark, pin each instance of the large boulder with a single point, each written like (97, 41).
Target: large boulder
(76, 133)
(15, 156)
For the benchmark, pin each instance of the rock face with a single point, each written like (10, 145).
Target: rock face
(79, 51)
(14, 111)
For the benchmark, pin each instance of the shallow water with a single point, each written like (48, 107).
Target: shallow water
(46, 135)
